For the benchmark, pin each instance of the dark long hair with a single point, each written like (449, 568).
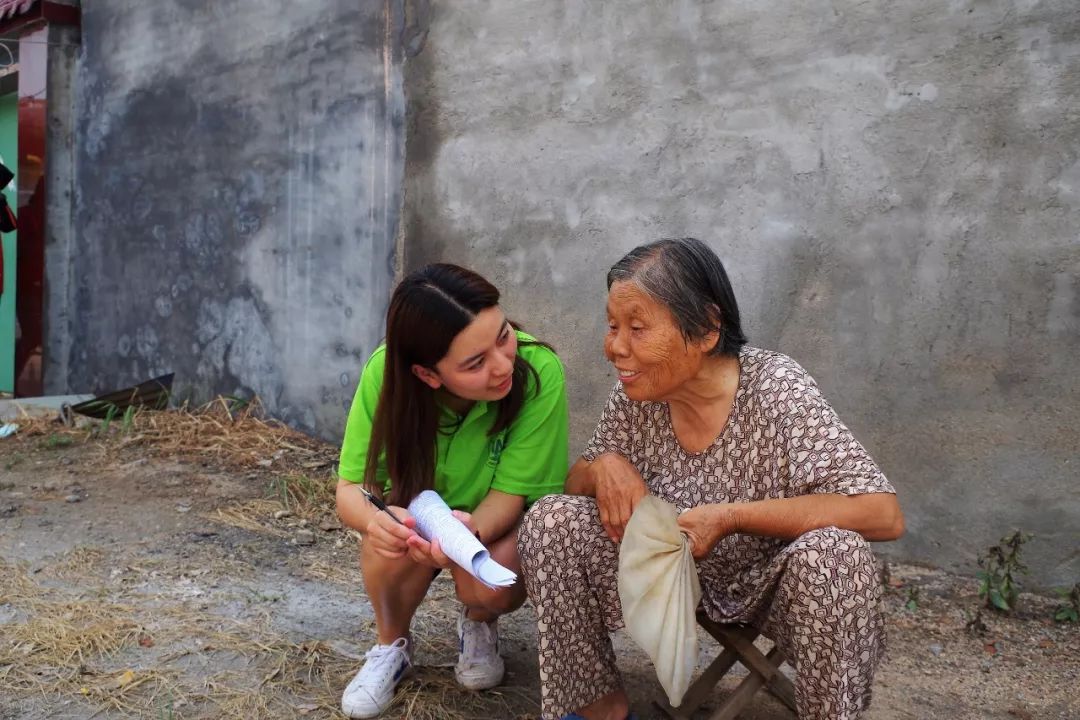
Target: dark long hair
(427, 311)
(688, 278)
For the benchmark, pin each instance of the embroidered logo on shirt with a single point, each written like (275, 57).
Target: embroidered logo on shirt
(495, 450)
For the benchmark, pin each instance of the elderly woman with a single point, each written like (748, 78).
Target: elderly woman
(779, 497)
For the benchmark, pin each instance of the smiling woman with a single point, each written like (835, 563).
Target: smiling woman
(778, 497)
(461, 402)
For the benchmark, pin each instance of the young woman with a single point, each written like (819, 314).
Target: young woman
(460, 402)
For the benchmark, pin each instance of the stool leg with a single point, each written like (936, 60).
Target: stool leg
(738, 700)
(781, 688)
(700, 690)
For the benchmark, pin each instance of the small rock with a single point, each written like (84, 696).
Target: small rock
(265, 463)
(301, 522)
(66, 461)
(339, 543)
(282, 514)
(181, 508)
(329, 525)
(305, 537)
(73, 498)
(935, 650)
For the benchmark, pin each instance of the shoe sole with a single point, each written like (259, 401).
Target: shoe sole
(404, 676)
(479, 682)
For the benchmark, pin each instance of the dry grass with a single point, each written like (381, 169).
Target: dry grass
(253, 515)
(80, 562)
(217, 431)
(160, 656)
(62, 645)
(343, 573)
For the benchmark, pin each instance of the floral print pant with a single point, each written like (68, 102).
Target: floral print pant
(822, 609)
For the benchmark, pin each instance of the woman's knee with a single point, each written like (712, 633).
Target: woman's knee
(499, 602)
(373, 561)
(838, 556)
(552, 520)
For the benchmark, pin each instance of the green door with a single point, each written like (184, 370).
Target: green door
(9, 155)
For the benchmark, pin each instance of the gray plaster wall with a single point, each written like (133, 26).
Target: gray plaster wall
(238, 176)
(894, 186)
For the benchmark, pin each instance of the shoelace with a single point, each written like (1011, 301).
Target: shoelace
(472, 649)
(380, 657)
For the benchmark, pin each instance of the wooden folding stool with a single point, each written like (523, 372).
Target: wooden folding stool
(738, 643)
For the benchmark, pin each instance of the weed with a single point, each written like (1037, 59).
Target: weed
(56, 440)
(234, 404)
(264, 597)
(300, 493)
(1069, 611)
(912, 602)
(129, 418)
(974, 624)
(166, 712)
(999, 585)
(110, 413)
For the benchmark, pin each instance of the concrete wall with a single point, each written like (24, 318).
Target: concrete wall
(238, 175)
(894, 186)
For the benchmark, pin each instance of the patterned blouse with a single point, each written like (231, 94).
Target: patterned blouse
(782, 439)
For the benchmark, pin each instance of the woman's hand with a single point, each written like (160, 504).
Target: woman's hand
(431, 554)
(387, 537)
(706, 525)
(618, 487)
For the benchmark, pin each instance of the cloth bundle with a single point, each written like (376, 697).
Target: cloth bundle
(659, 590)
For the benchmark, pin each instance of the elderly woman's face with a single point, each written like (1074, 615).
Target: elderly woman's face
(645, 345)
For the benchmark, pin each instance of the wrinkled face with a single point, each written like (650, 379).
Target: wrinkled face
(646, 346)
(479, 365)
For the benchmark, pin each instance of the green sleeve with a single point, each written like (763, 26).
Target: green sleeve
(534, 459)
(354, 446)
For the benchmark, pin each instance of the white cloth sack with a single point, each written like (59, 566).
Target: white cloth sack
(660, 591)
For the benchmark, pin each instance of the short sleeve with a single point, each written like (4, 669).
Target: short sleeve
(614, 433)
(533, 462)
(823, 456)
(354, 446)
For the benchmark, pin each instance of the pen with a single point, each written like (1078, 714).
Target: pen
(378, 503)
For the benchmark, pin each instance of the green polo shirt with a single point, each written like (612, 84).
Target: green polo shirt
(529, 458)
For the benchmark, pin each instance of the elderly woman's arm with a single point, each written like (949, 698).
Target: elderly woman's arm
(875, 516)
(829, 479)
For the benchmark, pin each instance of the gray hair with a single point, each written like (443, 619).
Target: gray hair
(687, 277)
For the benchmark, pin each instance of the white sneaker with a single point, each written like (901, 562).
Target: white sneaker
(372, 690)
(479, 666)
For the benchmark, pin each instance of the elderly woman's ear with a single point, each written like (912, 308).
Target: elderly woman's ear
(710, 341)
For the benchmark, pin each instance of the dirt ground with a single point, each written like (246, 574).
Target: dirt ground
(190, 566)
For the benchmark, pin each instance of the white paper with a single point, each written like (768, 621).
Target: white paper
(435, 520)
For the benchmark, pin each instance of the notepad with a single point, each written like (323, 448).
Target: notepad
(434, 520)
